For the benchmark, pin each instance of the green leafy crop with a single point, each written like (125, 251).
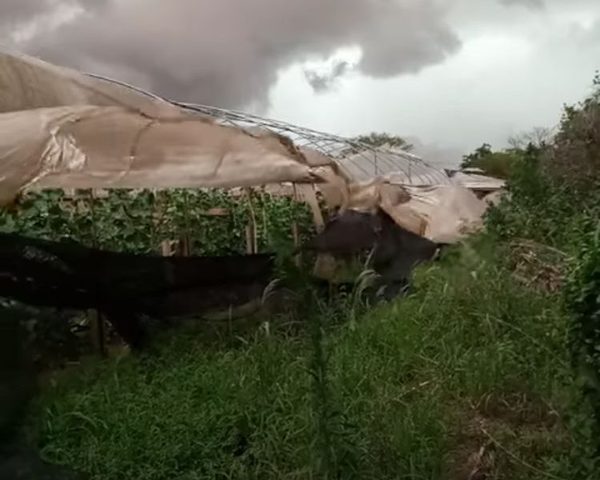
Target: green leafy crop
(138, 221)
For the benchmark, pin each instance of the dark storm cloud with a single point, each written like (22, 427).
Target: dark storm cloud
(322, 82)
(229, 52)
(15, 12)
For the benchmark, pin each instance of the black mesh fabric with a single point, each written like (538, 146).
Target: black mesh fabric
(124, 286)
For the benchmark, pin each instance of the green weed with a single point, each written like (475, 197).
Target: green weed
(410, 390)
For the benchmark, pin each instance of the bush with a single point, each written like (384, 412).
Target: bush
(583, 302)
(538, 208)
(555, 200)
(497, 164)
(575, 158)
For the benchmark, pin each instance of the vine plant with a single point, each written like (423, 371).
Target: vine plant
(138, 221)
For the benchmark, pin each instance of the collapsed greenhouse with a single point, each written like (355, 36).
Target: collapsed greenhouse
(99, 180)
(65, 130)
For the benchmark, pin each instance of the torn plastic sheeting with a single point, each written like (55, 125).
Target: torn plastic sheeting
(111, 147)
(478, 182)
(494, 198)
(442, 213)
(29, 83)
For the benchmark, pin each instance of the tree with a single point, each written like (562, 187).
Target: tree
(384, 140)
(539, 137)
(575, 156)
(497, 164)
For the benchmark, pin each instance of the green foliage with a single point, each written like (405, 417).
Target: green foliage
(139, 221)
(583, 301)
(392, 396)
(496, 164)
(555, 200)
(411, 373)
(538, 137)
(384, 140)
(575, 159)
(537, 208)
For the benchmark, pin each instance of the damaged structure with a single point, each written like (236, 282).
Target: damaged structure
(64, 129)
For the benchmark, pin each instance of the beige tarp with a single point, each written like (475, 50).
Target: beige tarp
(495, 198)
(441, 213)
(60, 128)
(109, 147)
(477, 182)
(28, 83)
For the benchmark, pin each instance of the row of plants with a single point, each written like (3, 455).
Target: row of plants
(214, 221)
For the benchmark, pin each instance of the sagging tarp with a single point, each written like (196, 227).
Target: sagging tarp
(444, 214)
(28, 83)
(61, 128)
(110, 147)
(477, 182)
(440, 213)
(124, 286)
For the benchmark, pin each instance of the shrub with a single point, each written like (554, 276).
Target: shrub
(497, 164)
(575, 158)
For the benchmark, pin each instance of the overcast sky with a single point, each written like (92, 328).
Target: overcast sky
(448, 74)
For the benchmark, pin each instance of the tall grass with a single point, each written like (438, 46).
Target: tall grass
(415, 389)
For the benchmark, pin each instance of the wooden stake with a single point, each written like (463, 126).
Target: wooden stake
(185, 242)
(265, 225)
(249, 239)
(296, 231)
(165, 248)
(97, 334)
(254, 227)
(95, 319)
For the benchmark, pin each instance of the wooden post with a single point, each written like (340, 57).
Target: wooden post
(251, 229)
(296, 232)
(97, 334)
(185, 246)
(308, 195)
(96, 320)
(249, 239)
(265, 222)
(185, 242)
(165, 248)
